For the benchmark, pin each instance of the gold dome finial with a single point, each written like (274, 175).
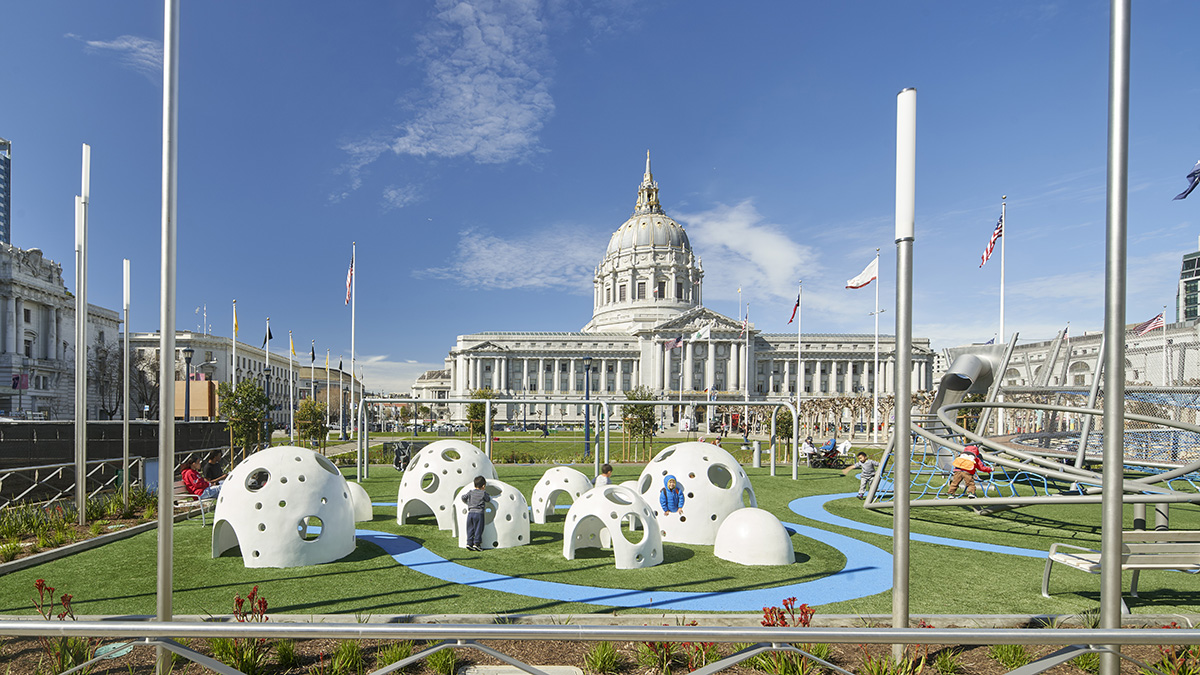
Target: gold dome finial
(647, 201)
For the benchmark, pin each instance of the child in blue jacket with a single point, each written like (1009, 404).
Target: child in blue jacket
(671, 497)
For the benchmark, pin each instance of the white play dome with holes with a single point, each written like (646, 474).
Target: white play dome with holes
(505, 518)
(364, 511)
(594, 521)
(713, 483)
(754, 537)
(435, 475)
(558, 481)
(285, 507)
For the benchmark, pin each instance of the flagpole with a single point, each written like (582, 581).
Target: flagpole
(875, 371)
(291, 390)
(233, 347)
(267, 357)
(327, 392)
(799, 373)
(1166, 377)
(746, 405)
(353, 308)
(1003, 238)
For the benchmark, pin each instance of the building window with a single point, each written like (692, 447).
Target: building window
(101, 336)
(678, 290)
(29, 349)
(607, 295)
(661, 289)
(28, 314)
(621, 293)
(641, 290)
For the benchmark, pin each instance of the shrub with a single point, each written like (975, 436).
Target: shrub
(65, 653)
(947, 662)
(1010, 656)
(285, 654)
(657, 656)
(602, 659)
(1088, 663)
(1177, 660)
(347, 658)
(248, 655)
(393, 652)
(443, 662)
(9, 551)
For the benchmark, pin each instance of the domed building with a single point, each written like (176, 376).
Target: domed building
(649, 327)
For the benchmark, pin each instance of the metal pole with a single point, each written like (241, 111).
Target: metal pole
(906, 170)
(587, 418)
(187, 385)
(1114, 326)
(233, 366)
(81, 315)
(353, 309)
(125, 394)
(799, 380)
(166, 331)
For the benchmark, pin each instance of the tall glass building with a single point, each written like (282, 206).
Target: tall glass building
(1187, 297)
(5, 191)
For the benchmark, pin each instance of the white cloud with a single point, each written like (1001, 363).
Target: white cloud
(741, 250)
(557, 259)
(487, 88)
(397, 197)
(382, 374)
(138, 54)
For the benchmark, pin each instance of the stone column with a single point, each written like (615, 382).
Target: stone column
(52, 352)
(710, 367)
(19, 327)
(571, 379)
(664, 372)
(735, 365)
(770, 376)
(687, 366)
(787, 375)
(10, 324)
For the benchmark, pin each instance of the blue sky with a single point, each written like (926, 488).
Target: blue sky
(482, 153)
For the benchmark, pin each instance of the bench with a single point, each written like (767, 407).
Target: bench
(181, 497)
(1173, 550)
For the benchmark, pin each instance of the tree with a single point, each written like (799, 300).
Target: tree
(783, 427)
(475, 410)
(244, 408)
(310, 422)
(144, 382)
(106, 371)
(405, 415)
(639, 419)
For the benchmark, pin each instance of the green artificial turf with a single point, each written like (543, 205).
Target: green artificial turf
(119, 578)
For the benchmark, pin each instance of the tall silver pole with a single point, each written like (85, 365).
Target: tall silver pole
(875, 372)
(1000, 426)
(166, 331)
(906, 188)
(1166, 376)
(291, 391)
(799, 381)
(81, 316)
(1114, 327)
(233, 349)
(125, 393)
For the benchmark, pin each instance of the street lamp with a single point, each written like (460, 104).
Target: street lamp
(188, 352)
(587, 391)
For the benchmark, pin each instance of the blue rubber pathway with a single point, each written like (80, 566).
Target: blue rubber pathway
(814, 508)
(867, 572)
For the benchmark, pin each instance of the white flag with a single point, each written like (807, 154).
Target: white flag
(867, 276)
(704, 333)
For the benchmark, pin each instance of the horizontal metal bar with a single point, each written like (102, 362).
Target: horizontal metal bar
(303, 631)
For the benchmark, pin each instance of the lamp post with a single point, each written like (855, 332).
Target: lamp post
(188, 352)
(587, 391)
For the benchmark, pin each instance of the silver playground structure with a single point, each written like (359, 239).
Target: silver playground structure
(1045, 440)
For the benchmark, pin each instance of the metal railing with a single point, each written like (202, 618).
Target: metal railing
(459, 636)
(51, 482)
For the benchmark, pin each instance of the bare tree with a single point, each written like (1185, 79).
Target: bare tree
(107, 374)
(144, 382)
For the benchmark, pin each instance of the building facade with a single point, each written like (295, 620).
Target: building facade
(5, 191)
(650, 329)
(1187, 295)
(37, 340)
(213, 359)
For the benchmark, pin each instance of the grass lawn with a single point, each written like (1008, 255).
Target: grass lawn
(119, 578)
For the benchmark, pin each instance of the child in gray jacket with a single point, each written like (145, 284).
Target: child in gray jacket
(475, 499)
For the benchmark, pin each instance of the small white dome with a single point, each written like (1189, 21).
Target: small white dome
(752, 536)
(505, 518)
(557, 481)
(714, 486)
(435, 475)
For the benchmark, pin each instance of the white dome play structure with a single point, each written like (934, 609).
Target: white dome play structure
(752, 536)
(505, 518)
(594, 521)
(714, 486)
(363, 510)
(435, 475)
(285, 507)
(557, 481)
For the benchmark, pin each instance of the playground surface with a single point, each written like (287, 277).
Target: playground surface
(843, 565)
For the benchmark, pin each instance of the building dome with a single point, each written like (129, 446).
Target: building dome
(649, 273)
(656, 229)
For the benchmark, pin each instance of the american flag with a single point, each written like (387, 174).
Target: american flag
(996, 234)
(1153, 324)
(349, 280)
(677, 342)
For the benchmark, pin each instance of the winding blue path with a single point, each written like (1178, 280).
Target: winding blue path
(814, 508)
(868, 570)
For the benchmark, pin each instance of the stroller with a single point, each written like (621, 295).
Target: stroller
(827, 456)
